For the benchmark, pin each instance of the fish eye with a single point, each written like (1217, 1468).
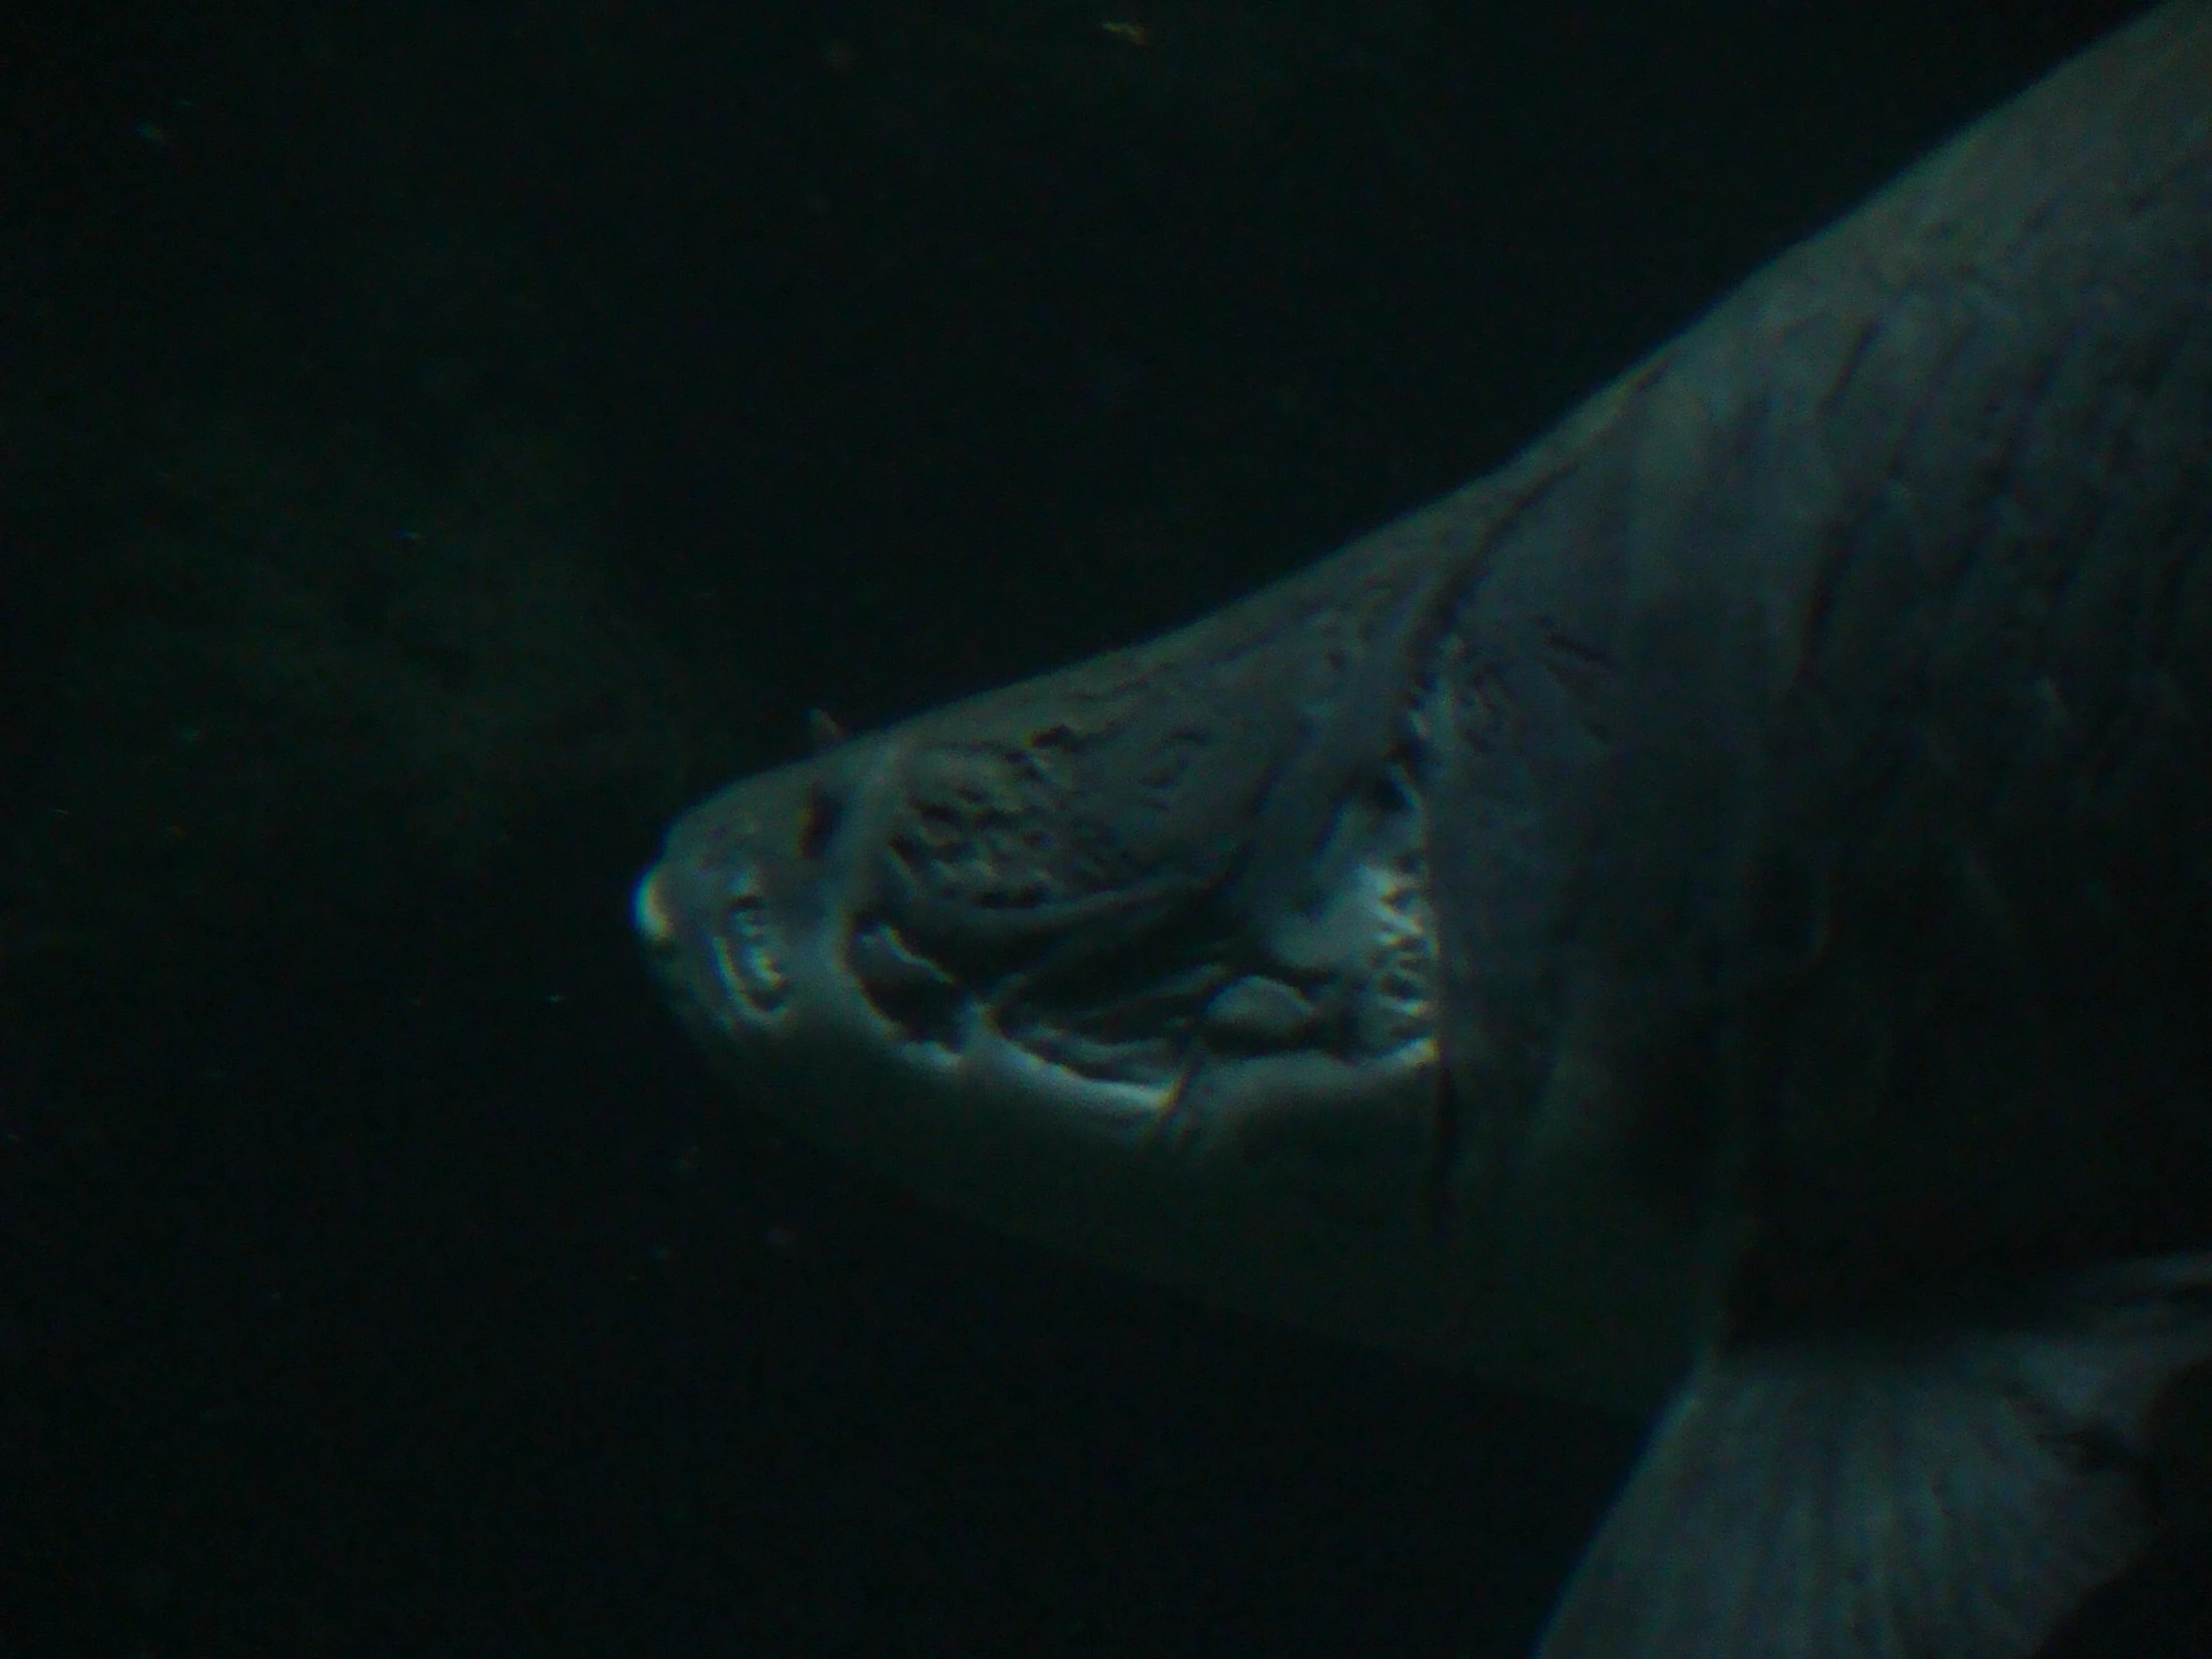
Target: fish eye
(824, 811)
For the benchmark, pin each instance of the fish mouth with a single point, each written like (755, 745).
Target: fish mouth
(837, 924)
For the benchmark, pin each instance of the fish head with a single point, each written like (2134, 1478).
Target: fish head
(1150, 973)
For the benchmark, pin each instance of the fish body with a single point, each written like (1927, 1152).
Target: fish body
(1714, 918)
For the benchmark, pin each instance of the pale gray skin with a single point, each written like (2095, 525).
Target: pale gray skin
(1720, 909)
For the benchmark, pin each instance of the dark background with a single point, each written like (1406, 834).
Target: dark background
(436, 441)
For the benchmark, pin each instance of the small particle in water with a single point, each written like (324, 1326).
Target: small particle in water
(1127, 32)
(782, 1239)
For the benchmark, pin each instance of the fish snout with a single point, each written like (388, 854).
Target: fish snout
(653, 913)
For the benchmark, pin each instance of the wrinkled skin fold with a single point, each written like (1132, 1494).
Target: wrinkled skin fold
(1718, 912)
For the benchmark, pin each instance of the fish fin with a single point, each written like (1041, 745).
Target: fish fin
(1932, 1494)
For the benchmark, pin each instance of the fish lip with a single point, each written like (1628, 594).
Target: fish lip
(785, 924)
(773, 989)
(773, 956)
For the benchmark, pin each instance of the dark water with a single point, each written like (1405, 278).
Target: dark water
(438, 439)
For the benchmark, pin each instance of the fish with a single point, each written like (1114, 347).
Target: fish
(1712, 918)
